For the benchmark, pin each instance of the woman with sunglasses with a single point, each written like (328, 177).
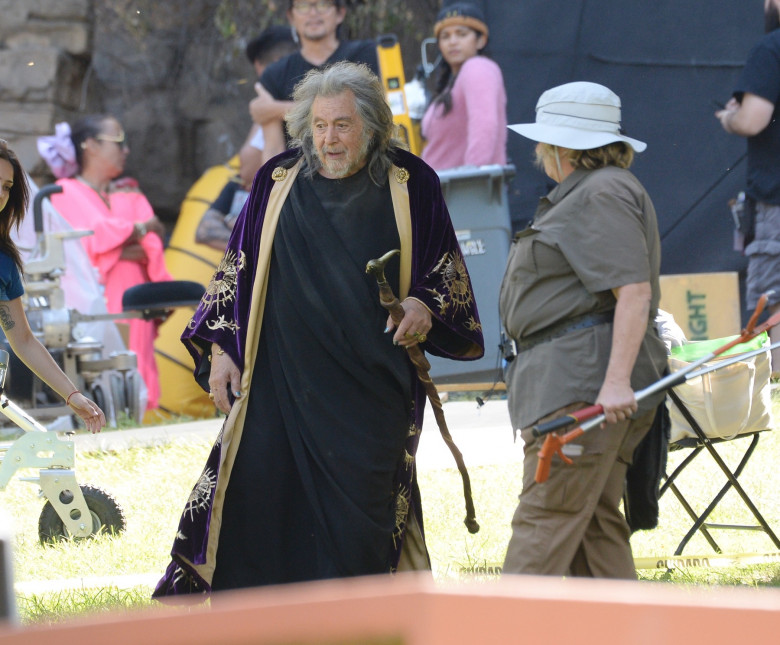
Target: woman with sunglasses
(14, 196)
(126, 247)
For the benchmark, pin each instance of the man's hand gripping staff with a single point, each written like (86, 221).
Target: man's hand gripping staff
(389, 301)
(593, 415)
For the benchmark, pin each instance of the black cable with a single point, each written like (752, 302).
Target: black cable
(706, 192)
(497, 378)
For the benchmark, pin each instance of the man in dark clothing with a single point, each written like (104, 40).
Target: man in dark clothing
(316, 23)
(313, 473)
(271, 45)
(752, 112)
(217, 222)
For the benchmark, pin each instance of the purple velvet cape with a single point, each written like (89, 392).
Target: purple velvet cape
(438, 279)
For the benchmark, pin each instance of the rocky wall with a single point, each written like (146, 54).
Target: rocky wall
(182, 104)
(45, 48)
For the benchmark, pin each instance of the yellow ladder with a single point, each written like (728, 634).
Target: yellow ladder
(391, 71)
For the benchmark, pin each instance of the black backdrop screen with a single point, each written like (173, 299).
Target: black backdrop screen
(668, 60)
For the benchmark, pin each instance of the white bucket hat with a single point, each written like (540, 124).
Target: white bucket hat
(578, 116)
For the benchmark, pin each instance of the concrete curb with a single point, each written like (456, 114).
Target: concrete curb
(482, 433)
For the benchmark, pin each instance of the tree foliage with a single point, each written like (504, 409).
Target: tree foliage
(223, 27)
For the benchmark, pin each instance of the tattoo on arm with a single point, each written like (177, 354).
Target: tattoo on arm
(6, 320)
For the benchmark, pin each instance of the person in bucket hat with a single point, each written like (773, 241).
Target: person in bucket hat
(580, 116)
(578, 299)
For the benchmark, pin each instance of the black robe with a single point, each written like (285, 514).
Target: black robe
(328, 422)
(324, 480)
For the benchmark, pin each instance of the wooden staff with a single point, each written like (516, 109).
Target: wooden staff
(389, 301)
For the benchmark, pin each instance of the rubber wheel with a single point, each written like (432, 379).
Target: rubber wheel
(107, 516)
(118, 393)
(99, 397)
(132, 395)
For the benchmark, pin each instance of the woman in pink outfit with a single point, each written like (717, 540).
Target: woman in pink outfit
(126, 247)
(465, 123)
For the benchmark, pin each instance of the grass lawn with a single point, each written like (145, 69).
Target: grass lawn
(151, 484)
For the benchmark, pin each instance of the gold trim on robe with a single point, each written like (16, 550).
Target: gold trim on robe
(234, 424)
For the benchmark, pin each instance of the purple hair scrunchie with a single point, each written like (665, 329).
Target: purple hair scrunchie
(58, 152)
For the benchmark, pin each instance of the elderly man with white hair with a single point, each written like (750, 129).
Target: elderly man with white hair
(313, 475)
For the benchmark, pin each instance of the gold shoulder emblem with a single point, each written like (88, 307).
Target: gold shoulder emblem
(279, 173)
(401, 175)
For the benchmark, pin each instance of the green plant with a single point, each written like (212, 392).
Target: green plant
(56, 606)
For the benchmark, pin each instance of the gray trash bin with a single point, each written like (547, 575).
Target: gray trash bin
(476, 198)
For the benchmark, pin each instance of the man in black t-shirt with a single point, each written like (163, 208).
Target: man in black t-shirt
(316, 24)
(271, 45)
(753, 113)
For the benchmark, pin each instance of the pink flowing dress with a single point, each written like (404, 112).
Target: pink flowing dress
(83, 208)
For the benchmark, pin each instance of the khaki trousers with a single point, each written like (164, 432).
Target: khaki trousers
(571, 524)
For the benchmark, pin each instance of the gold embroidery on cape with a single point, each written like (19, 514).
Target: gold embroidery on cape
(222, 288)
(179, 575)
(182, 577)
(401, 175)
(201, 494)
(472, 325)
(279, 173)
(454, 282)
(221, 323)
(438, 298)
(402, 504)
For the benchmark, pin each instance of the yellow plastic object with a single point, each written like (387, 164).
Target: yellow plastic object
(704, 305)
(188, 260)
(391, 68)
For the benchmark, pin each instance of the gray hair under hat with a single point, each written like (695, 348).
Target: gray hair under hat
(578, 116)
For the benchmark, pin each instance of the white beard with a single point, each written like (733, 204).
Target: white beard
(349, 165)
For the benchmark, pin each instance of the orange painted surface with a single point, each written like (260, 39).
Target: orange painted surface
(411, 609)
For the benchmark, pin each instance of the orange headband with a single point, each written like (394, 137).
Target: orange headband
(459, 19)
